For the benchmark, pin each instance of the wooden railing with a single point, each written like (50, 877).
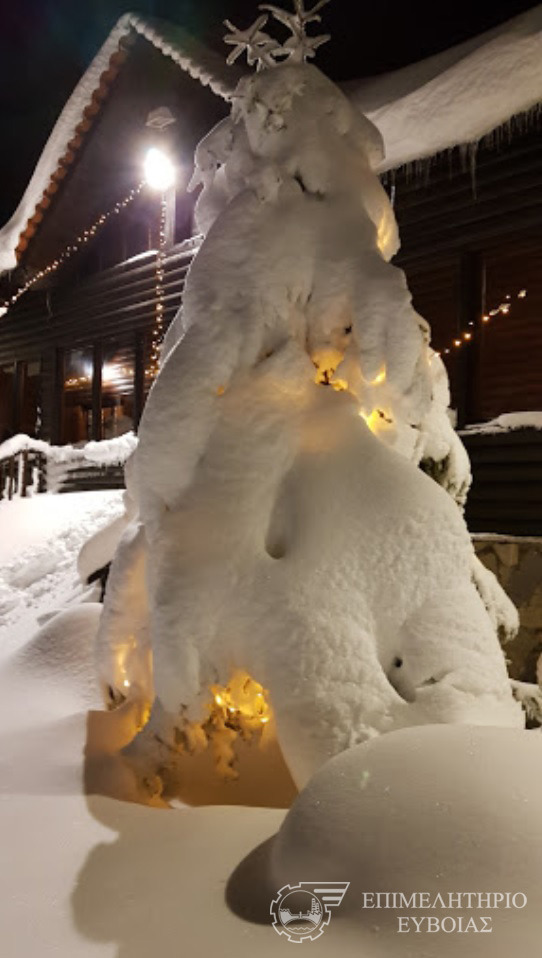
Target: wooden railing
(29, 466)
(23, 473)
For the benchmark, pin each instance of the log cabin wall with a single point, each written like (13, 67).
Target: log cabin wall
(103, 323)
(470, 237)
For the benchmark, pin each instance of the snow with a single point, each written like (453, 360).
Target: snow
(107, 452)
(278, 535)
(60, 460)
(440, 809)
(201, 64)
(456, 97)
(506, 422)
(84, 875)
(40, 539)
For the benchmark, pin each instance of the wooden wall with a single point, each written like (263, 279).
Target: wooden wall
(119, 302)
(489, 213)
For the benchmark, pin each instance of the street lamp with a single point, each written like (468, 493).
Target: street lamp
(159, 170)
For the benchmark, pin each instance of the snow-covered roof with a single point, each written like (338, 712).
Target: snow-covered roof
(454, 98)
(459, 96)
(202, 64)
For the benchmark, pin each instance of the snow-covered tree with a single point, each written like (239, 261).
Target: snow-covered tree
(291, 560)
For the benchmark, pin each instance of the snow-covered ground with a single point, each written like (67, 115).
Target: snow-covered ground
(91, 875)
(88, 875)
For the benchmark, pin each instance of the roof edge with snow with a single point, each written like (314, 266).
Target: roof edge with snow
(81, 109)
(459, 97)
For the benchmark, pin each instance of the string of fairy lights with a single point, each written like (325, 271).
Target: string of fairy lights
(80, 242)
(158, 328)
(157, 334)
(71, 248)
(502, 309)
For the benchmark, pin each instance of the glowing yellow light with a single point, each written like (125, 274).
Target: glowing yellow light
(244, 698)
(373, 420)
(379, 379)
(457, 342)
(485, 319)
(467, 335)
(159, 170)
(522, 294)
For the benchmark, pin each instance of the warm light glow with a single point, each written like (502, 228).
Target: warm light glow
(375, 419)
(379, 379)
(159, 170)
(244, 698)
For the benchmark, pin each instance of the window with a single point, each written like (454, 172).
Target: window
(118, 370)
(77, 395)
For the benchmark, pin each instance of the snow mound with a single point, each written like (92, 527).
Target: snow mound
(61, 654)
(41, 537)
(439, 809)
(285, 531)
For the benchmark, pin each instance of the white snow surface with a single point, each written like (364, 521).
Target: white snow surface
(40, 538)
(279, 536)
(456, 97)
(88, 876)
(203, 65)
(435, 810)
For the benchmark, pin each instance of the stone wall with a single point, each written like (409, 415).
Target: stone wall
(517, 563)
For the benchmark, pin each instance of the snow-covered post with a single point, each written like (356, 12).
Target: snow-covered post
(298, 565)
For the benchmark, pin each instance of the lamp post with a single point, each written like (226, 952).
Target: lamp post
(160, 171)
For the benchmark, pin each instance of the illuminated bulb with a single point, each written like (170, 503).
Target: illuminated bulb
(457, 342)
(159, 170)
(522, 294)
(467, 335)
(485, 319)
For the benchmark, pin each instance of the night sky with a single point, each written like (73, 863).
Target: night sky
(45, 46)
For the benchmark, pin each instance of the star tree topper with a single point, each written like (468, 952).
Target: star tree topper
(263, 51)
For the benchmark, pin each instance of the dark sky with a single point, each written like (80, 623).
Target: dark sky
(45, 46)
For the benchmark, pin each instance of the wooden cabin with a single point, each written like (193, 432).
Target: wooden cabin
(76, 347)
(464, 169)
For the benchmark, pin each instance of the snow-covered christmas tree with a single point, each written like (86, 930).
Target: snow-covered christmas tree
(290, 564)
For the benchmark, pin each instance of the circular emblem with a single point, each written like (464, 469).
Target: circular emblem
(299, 914)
